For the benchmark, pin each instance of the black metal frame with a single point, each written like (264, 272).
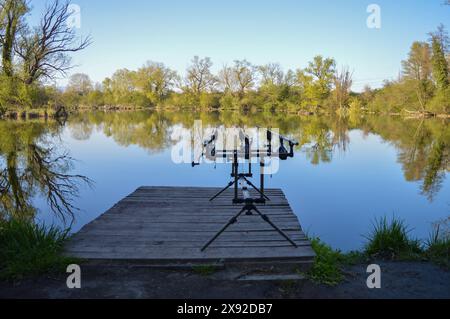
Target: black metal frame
(242, 176)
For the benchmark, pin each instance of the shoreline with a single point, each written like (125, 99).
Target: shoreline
(46, 114)
(399, 280)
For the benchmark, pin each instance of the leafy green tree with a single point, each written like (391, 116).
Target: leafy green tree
(12, 14)
(323, 71)
(417, 68)
(155, 80)
(440, 66)
(418, 65)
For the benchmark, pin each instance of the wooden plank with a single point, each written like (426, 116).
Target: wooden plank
(152, 245)
(195, 253)
(144, 235)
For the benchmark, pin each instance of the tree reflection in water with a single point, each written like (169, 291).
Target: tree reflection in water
(31, 165)
(423, 145)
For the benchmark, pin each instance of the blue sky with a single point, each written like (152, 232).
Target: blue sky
(128, 33)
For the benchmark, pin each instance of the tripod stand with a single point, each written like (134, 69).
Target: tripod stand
(242, 176)
(249, 208)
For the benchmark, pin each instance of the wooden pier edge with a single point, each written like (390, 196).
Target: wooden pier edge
(169, 225)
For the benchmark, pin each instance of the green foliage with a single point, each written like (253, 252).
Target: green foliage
(438, 244)
(319, 88)
(418, 65)
(440, 66)
(395, 97)
(204, 270)
(435, 168)
(440, 104)
(388, 240)
(29, 249)
(322, 71)
(391, 240)
(355, 105)
(327, 264)
(11, 21)
(228, 101)
(209, 101)
(416, 91)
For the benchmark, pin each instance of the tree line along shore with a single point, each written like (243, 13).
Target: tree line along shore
(34, 57)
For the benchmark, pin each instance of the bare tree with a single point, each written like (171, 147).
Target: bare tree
(441, 34)
(290, 78)
(80, 83)
(245, 75)
(342, 83)
(272, 74)
(44, 53)
(199, 77)
(226, 80)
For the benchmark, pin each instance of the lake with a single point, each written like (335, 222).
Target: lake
(347, 171)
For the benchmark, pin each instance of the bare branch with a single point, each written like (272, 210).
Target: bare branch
(45, 53)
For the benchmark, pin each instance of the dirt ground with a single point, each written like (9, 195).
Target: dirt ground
(399, 280)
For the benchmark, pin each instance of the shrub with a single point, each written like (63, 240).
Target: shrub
(327, 264)
(438, 244)
(440, 104)
(391, 241)
(30, 249)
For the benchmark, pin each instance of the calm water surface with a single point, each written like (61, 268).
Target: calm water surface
(346, 172)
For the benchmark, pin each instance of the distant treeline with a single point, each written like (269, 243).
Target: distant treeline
(422, 87)
(322, 86)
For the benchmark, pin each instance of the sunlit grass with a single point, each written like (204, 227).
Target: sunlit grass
(391, 240)
(327, 264)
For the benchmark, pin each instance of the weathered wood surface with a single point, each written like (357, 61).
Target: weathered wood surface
(172, 223)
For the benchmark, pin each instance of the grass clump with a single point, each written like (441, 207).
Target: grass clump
(29, 249)
(438, 246)
(327, 264)
(390, 240)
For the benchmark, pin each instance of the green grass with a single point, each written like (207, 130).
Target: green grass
(28, 249)
(438, 247)
(327, 264)
(390, 240)
(204, 270)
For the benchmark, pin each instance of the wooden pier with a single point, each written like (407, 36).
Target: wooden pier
(171, 224)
